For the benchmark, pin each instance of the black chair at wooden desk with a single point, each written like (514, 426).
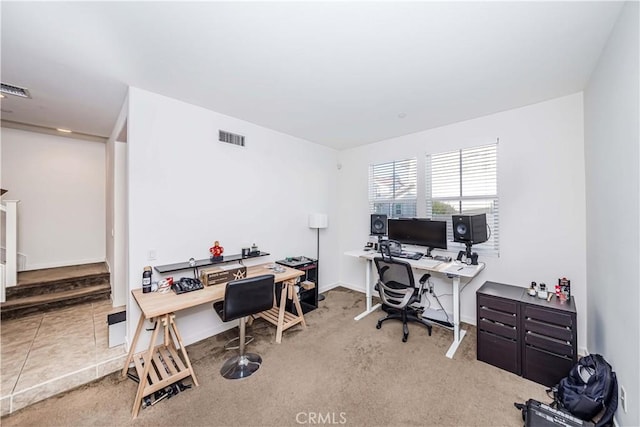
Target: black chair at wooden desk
(243, 298)
(398, 292)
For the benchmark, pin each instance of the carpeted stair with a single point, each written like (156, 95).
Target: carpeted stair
(53, 288)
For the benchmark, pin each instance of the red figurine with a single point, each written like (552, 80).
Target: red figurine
(216, 250)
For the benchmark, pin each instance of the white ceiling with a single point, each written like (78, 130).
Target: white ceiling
(336, 73)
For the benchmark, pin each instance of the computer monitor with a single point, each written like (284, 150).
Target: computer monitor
(418, 231)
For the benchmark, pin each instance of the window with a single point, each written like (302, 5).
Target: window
(392, 188)
(464, 182)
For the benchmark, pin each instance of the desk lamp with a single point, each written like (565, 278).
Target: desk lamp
(318, 221)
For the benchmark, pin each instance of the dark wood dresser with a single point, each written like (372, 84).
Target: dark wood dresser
(526, 335)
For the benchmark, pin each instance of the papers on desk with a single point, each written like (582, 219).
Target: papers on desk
(462, 269)
(428, 263)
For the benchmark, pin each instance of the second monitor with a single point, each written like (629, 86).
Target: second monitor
(419, 232)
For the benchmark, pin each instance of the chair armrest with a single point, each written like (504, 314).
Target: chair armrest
(424, 278)
(422, 281)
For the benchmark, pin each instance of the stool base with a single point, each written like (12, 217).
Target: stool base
(239, 367)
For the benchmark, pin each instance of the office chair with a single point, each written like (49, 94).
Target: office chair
(397, 290)
(243, 298)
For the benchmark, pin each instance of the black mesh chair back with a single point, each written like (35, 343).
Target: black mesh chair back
(396, 284)
(242, 299)
(397, 290)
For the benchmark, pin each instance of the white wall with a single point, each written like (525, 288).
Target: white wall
(540, 186)
(187, 190)
(116, 211)
(61, 185)
(120, 269)
(116, 225)
(613, 208)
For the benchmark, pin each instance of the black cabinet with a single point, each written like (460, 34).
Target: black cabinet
(524, 334)
(307, 285)
(498, 318)
(549, 339)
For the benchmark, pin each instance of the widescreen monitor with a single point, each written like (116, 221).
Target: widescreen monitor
(418, 231)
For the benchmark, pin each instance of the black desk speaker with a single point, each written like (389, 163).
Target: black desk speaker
(469, 228)
(378, 224)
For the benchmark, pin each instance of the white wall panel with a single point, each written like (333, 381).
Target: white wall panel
(60, 183)
(612, 153)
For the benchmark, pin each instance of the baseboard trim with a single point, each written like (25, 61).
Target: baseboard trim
(348, 286)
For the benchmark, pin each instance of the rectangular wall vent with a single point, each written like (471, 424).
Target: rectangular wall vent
(15, 91)
(230, 138)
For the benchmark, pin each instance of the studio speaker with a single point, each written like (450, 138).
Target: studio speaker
(469, 228)
(378, 224)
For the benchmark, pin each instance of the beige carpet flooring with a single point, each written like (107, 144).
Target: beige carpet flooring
(337, 371)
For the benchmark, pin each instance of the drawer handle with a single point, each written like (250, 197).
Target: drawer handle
(568, 328)
(495, 310)
(495, 322)
(548, 338)
(563, 356)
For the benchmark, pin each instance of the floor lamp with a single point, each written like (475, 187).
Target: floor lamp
(318, 221)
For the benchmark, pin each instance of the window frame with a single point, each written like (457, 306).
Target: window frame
(492, 246)
(393, 203)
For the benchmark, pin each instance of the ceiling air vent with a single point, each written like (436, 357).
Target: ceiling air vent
(15, 91)
(230, 138)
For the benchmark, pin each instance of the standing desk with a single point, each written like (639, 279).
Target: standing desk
(160, 366)
(454, 270)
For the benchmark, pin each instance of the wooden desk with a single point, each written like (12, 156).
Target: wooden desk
(160, 366)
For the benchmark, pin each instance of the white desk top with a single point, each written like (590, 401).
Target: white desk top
(453, 268)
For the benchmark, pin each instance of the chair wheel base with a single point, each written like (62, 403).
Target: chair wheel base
(239, 367)
(378, 325)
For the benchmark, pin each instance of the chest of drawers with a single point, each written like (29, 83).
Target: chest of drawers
(526, 335)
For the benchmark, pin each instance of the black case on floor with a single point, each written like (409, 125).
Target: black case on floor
(536, 414)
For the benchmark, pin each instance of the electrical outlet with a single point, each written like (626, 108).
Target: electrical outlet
(623, 399)
(152, 255)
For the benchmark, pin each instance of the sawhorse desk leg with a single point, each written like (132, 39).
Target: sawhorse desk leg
(183, 350)
(279, 316)
(145, 372)
(132, 347)
(287, 320)
(169, 368)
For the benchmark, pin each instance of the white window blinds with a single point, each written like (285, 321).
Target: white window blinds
(464, 182)
(392, 188)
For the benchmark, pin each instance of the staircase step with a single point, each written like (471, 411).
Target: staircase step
(50, 280)
(52, 288)
(46, 302)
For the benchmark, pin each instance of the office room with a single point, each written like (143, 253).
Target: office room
(139, 134)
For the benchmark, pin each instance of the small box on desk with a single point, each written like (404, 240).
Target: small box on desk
(222, 274)
(306, 285)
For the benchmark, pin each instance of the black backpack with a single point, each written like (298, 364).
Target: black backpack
(590, 391)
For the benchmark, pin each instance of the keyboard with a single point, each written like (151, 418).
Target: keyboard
(408, 255)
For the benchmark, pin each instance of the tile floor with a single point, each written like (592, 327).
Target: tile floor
(48, 353)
